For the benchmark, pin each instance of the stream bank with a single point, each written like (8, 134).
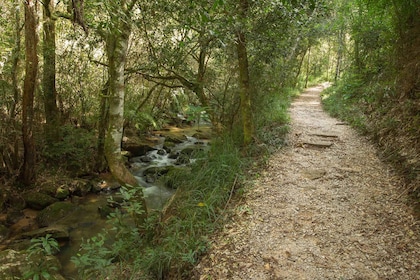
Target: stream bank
(76, 210)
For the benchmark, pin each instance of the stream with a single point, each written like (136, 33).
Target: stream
(85, 215)
(148, 169)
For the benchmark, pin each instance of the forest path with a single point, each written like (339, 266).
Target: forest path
(325, 208)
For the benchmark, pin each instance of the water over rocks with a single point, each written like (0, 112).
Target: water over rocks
(75, 209)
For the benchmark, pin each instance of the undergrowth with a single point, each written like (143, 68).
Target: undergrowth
(171, 241)
(376, 109)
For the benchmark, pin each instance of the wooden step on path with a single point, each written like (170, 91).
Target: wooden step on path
(317, 144)
(324, 135)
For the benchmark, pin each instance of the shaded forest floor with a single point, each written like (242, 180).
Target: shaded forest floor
(326, 207)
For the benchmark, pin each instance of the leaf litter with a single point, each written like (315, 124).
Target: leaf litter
(325, 208)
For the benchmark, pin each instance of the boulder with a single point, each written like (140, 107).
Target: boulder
(48, 187)
(168, 146)
(161, 152)
(157, 170)
(54, 212)
(188, 151)
(173, 155)
(136, 149)
(60, 192)
(106, 186)
(80, 187)
(175, 138)
(182, 159)
(58, 232)
(37, 200)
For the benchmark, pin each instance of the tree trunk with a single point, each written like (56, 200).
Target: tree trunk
(102, 128)
(199, 85)
(308, 67)
(116, 50)
(31, 68)
(52, 115)
(15, 72)
(339, 54)
(245, 91)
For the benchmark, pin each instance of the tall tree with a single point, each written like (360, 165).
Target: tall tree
(117, 38)
(52, 115)
(31, 41)
(244, 81)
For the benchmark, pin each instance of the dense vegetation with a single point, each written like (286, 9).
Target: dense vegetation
(76, 76)
(379, 91)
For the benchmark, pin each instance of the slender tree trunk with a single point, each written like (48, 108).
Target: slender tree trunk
(199, 85)
(296, 80)
(15, 62)
(28, 171)
(52, 115)
(245, 90)
(102, 128)
(15, 72)
(339, 54)
(308, 66)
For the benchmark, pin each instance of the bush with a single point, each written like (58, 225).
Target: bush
(74, 151)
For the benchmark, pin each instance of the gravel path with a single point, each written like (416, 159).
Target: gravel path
(325, 208)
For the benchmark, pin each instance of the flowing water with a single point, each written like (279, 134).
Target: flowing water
(87, 222)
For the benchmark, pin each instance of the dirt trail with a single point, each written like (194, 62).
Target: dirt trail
(325, 208)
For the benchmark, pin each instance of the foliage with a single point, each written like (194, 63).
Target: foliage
(379, 93)
(117, 242)
(170, 244)
(74, 151)
(96, 257)
(197, 114)
(341, 102)
(201, 198)
(37, 254)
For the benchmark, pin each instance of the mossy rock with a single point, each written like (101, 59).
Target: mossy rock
(80, 187)
(152, 174)
(37, 200)
(175, 138)
(183, 159)
(14, 264)
(48, 187)
(157, 170)
(54, 212)
(204, 135)
(136, 148)
(60, 192)
(58, 232)
(188, 151)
